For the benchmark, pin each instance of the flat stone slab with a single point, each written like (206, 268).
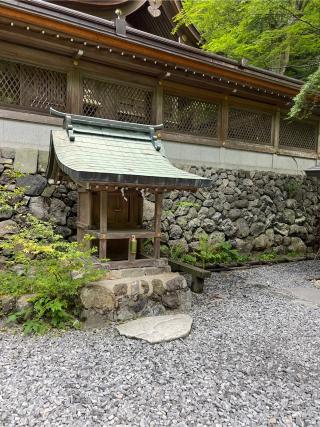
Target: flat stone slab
(308, 296)
(157, 329)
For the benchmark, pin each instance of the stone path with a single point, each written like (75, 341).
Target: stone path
(251, 359)
(302, 295)
(156, 329)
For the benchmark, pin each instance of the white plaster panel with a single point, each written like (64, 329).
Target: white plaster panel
(292, 164)
(15, 133)
(191, 153)
(234, 159)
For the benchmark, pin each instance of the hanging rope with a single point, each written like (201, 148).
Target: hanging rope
(122, 192)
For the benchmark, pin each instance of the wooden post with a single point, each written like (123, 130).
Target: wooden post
(74, 92)
(224, 115)
(318, 142)
(157, 224)
(84, 213)
(276, 130)
(103, 224)
(157, 108)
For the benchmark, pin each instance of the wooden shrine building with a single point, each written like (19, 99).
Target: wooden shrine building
(114, 163)
(121, 60)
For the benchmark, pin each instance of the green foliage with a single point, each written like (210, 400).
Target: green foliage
(189, 259)
(51, 269)
(210, 253)
(279, 35)
(267, 256)
(293, 187)
(188, 204)
(10, 198)
(175, 252)
(307, 98)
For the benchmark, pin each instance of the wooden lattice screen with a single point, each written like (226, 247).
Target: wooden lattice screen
(117, 101)
(190, 116)
(254, 127)
(32, 88)
(297, 135)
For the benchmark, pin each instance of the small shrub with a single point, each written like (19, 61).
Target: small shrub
(175, 252)
(293, 187)
(46, 264)
(267, 256)
(209, 253)
(189, 259)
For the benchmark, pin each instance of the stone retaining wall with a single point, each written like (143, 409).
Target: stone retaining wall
(257, 210)
(44, 200)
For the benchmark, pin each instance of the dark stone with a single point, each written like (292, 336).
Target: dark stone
(5, 213)
(120, 289)
(7, 304)
(138, 305)
(64, 231)
(170, 300)
(33, 184)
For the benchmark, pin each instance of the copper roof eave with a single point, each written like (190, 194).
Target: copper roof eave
(97, 30)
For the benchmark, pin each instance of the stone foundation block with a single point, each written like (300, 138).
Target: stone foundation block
(125, 298)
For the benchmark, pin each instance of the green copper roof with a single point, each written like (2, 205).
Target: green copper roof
(107, 151)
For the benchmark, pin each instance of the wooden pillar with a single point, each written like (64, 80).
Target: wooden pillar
(223, 123)
(103, 224)
(276, 130)
(157, 224)
(157, 107)
(318, 142)
(74, 92)
(84, 213)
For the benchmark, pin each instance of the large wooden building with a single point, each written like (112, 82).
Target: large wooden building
(119, 60)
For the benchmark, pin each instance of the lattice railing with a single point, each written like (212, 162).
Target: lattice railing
(190, 116)
(250, 126)
(32, 87)
(299, 135)
(117, 101)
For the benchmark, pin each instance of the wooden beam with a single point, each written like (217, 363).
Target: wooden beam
(103, 224)
(157, 224)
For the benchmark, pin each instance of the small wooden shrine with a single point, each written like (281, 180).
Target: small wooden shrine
(114, 164)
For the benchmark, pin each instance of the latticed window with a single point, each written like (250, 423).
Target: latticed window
(32, 87)
(117, 101)
(254, 127)
(190, 116)
(293, 134)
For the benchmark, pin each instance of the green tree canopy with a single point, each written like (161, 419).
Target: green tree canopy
(279, 35)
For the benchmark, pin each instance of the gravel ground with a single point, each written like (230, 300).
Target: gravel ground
(252, 359)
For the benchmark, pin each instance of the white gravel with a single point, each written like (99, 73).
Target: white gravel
(252, 359)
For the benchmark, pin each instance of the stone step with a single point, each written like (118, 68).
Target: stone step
(128, 297)
(137, 272)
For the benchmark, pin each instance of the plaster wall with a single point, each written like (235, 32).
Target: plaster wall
(224, 158)
(24, 130)
(18, 133)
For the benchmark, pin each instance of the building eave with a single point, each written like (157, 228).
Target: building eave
(100, 31)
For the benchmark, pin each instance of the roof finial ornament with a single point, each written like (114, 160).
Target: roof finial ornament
(120, 23)
(154, 8)
(118, 12)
